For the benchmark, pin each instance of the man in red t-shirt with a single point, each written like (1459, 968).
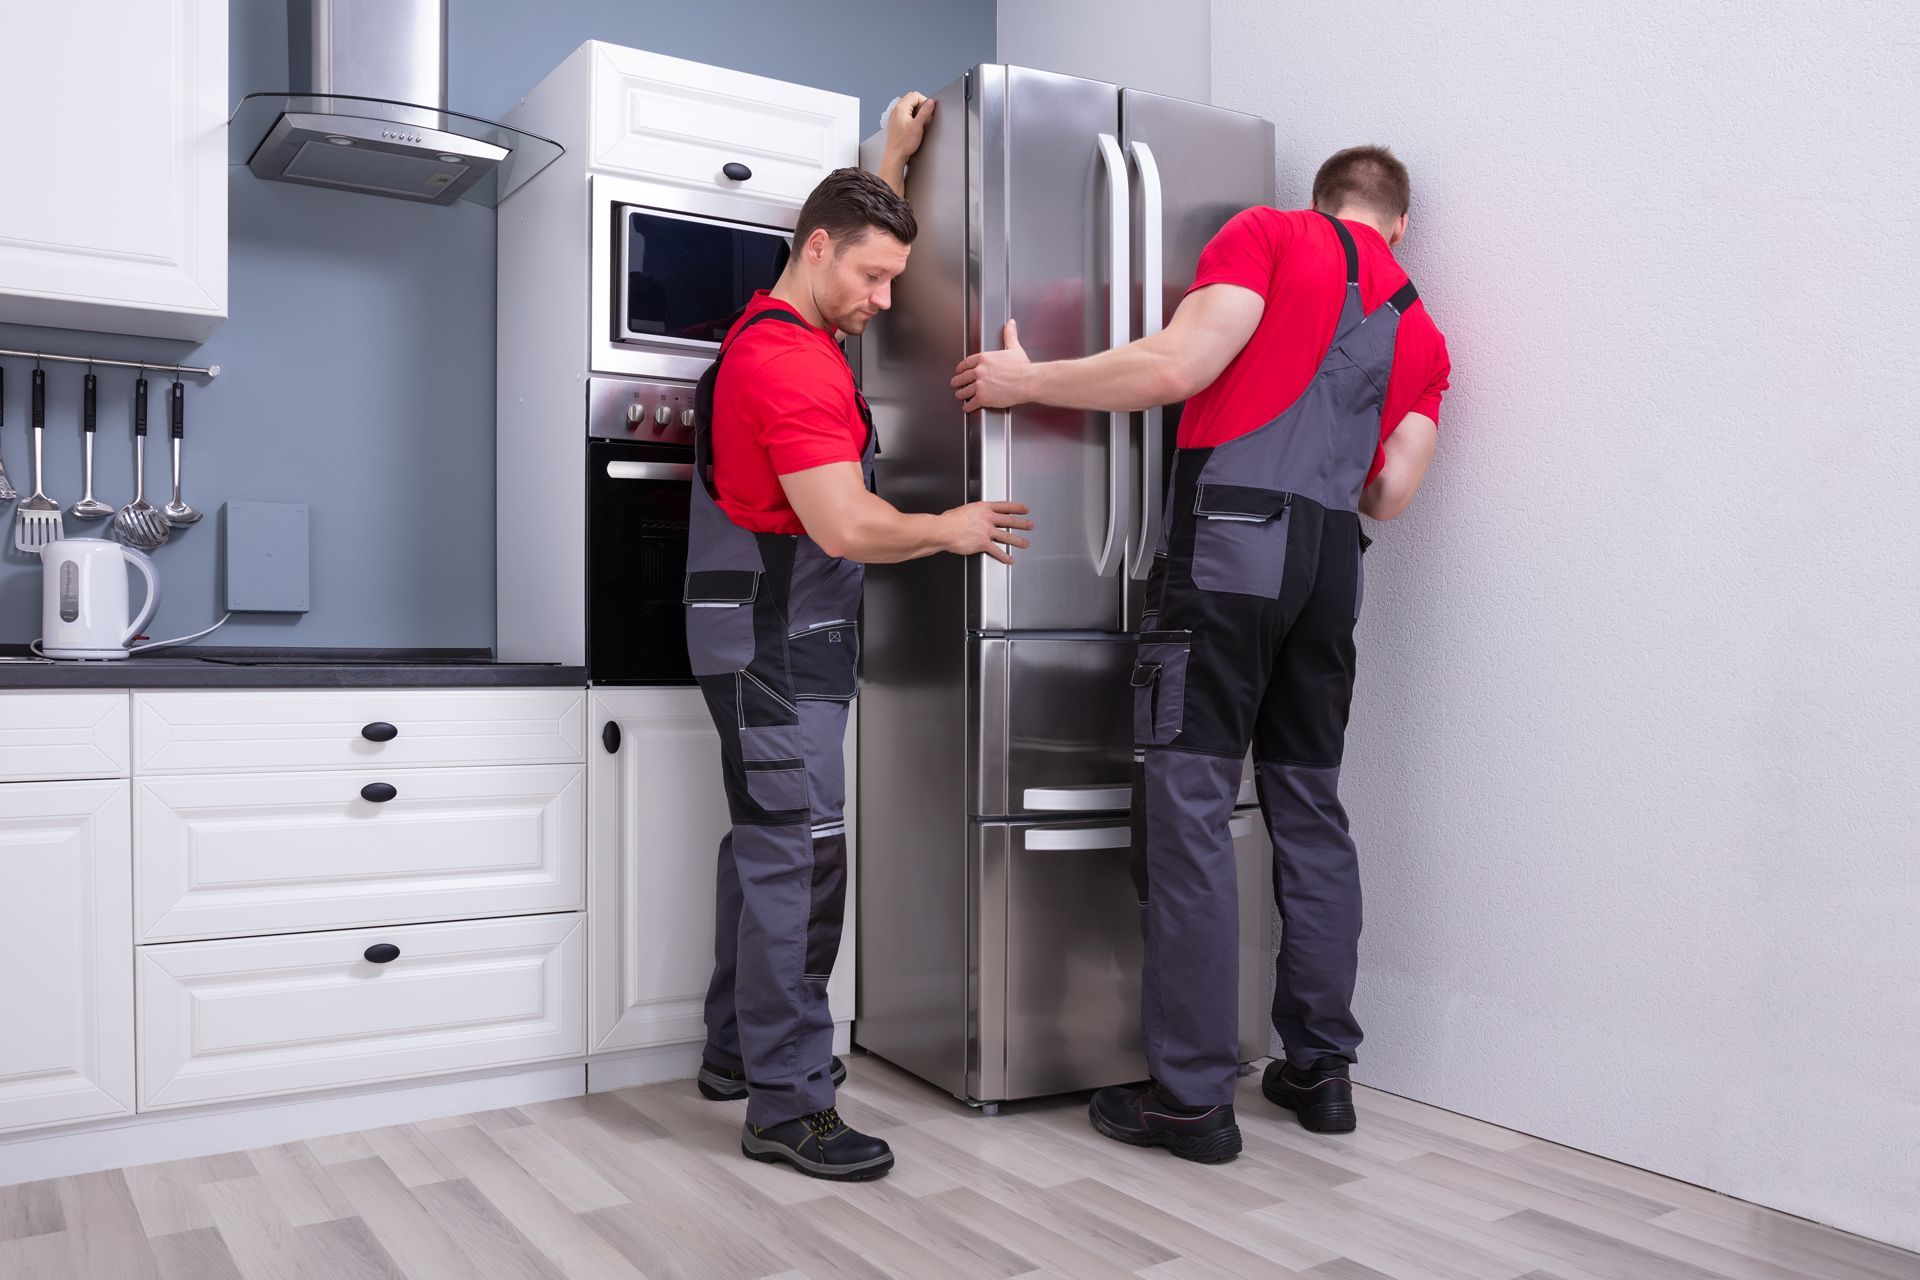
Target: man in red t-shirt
(1313, 378)
(783, 518)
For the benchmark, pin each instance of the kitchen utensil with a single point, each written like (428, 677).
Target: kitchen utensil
(178, 512)
(37, 520)
(7, 492)
(89, 507)
(83, 598)
(140, 523)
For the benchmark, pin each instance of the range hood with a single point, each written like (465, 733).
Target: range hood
(367, 111)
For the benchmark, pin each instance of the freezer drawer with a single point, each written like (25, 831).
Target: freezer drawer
(1059, 956)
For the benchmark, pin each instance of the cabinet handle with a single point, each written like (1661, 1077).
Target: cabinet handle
(736, 171)
(610, 738)
(379, 731)
(378, 792)
(383, 953)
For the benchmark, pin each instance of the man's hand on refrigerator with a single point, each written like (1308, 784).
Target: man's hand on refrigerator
(906, 130)
(987, 528)
(995, 379)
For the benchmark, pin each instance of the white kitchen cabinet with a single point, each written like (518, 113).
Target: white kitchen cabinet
(679, 122)
(46, 737)
(66, 952)
(223, 856)
(251, 1017)
(115, 215)
(657, 811)
(276, 730)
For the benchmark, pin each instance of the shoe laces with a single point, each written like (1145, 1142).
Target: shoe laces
(822, 1123)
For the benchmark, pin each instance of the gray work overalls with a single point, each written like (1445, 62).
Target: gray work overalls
(1249, 638)
(773, 634)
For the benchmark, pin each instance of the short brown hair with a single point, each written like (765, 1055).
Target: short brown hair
(848, 204)
(1368, 176)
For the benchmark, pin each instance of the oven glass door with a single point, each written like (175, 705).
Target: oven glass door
(637, 496)
(682, 279)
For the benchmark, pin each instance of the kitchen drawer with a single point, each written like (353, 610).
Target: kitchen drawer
(275, 731)
(280, 852)
(50, 737)
(252, 1017)
(681, 122)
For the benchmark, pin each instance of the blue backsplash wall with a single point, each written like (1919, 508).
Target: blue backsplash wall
(358, 354)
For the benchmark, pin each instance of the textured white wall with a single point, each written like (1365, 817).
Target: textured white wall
(1157, 45)
(1633, 763)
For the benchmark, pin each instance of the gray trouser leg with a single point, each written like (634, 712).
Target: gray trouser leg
(1316, 882)
(723, 1026)
(1191, 976)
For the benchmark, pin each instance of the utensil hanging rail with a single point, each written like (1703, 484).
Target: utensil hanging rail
(156, 366)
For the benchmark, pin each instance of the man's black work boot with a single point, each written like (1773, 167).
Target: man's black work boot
(723, 1084)
(1320, 1096)
(1144, 1116)
(820, 1146)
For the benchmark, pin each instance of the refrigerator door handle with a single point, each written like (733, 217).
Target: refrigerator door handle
(1086, 839)
(1152, 287)
(1119, 309)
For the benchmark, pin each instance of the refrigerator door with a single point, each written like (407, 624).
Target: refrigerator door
(1193, 168)
(1056, 725)
(1059, 1005)
(1050, 249)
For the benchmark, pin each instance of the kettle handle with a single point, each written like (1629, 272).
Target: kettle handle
(139, 561)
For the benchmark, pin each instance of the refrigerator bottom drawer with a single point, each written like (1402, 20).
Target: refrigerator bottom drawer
(1060, 955)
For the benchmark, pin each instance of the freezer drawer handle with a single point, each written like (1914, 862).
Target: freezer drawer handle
(1076, 799)
(1087, 839)
(379, 731)
(383, 953)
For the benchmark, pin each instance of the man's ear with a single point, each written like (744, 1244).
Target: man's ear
(819, 245)
(1399, 231)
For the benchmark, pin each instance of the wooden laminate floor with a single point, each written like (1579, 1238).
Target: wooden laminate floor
(650, 1182)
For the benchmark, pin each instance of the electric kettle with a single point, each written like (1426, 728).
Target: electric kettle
(83, 598)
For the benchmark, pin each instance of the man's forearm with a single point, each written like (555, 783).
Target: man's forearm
(1127, 379)
(893, 171)
(876, 532)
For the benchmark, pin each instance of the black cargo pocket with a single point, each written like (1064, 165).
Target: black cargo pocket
(825, 661)
(1160, 686)
(720, 620)
(1240, 542)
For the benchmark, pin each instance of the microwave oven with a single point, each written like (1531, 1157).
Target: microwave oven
(680, 279)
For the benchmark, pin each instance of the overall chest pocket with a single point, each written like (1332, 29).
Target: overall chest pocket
(720, 620)
(1240, 539)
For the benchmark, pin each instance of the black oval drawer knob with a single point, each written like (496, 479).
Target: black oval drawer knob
(383, 953)
(379, 792)
(379, 731)
(736, 171)
(610, 738)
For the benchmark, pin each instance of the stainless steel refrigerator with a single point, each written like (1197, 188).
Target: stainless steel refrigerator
(999, 935)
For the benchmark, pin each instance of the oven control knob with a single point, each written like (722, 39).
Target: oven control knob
(663, 415)
(686, 418)
(636, 414)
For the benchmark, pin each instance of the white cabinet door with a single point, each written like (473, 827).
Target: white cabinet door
(260, 1016)
(681, 122)
(657, 811)
(273, 730)
(280, 852)
(46, 737)
(66, 953)
(115, 216)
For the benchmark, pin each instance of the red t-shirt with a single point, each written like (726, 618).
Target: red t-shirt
(1293, 259)
(784, 402)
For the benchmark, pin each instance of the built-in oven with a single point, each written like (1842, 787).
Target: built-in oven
(681, 278)
(639, 485)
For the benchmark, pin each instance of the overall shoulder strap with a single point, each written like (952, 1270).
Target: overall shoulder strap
(1347, 247)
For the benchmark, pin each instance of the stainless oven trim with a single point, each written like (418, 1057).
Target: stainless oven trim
(604, 355)
(623, 234)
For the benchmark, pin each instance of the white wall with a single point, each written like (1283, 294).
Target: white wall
(1157, 45)
(1633, 764)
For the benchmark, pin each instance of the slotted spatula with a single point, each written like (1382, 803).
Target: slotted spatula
(37, 520)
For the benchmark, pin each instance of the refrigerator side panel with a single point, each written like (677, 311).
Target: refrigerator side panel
(914, 940)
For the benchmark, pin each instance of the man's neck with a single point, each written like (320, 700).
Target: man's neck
(1367, 217)
(789, 289)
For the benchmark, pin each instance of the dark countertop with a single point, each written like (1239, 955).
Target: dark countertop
(237, 668)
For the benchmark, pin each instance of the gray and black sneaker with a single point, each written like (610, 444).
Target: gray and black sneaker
(1320, 1096)
(820, 1146)
(723, 1084)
